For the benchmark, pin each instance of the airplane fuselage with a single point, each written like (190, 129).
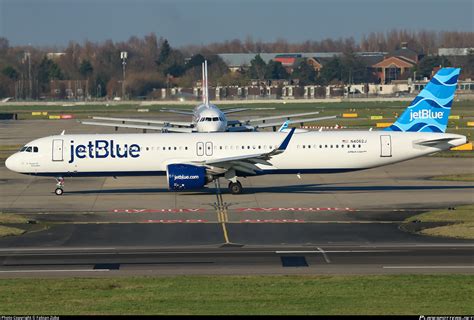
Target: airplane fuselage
(150, 154)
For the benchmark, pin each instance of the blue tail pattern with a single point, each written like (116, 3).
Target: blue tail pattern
(429, 111)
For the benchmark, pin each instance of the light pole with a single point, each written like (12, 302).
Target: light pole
(123, 56)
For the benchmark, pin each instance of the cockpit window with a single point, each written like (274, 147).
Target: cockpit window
(208, 119)
(23, 149)
(28, 149)
(215, 119)
(35, 149)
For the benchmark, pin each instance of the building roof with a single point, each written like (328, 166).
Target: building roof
(397, 61)
(243, 59)
(406, 53)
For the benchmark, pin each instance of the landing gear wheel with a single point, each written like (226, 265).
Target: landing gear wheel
(235, 187)
(59, 191)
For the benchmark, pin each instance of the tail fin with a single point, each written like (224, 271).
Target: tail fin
(205, 88)
(430, 110)
(284, 126)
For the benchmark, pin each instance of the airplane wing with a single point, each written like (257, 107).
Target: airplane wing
(282, 116)
(138, 126)
(278, 124)
(233, 110)
(245, 163)
(123, 120)
(177, 111)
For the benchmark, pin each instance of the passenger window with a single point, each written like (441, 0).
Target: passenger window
(185, 148)
(360, 146)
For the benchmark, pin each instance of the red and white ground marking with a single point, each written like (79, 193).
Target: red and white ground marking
(185, 210)
(176, 221)
(287, 209)
(272, 221)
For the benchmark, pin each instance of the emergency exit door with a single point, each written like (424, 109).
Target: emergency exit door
(57, 150)
(385, 146)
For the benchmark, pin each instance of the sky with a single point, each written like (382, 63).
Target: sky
(186, 22)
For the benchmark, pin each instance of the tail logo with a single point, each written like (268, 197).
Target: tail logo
(425, 114)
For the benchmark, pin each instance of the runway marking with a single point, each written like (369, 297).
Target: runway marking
(290, 209)
(185, 210)
(221, 209)
(47, 270)
(428, 267)
(324, 255)
(272, 221)
(176, 221)
(339, 251)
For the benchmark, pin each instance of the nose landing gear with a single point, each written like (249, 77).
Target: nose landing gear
(59, 186)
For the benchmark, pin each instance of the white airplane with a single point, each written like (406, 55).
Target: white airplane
(206, 117)
(192, 160)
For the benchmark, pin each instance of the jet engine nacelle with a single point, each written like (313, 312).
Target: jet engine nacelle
(186, 176)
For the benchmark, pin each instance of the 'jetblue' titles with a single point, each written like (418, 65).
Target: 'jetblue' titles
(101, 149)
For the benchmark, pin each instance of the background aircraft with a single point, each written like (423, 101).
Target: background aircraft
(206, 117)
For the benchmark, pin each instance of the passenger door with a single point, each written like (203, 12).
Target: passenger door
(57, 150)
(208, 148)
(385, 146)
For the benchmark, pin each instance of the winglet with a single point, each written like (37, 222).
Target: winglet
(285, 142)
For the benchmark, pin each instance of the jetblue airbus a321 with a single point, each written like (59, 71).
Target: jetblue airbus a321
(192, 160)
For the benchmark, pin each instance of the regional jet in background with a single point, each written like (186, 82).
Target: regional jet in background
(192, 160)
(206, 117)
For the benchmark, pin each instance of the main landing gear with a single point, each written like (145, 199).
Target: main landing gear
(59, 186)
(235, 187)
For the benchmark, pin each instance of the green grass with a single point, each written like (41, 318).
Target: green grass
(460, 222)
(468, 177)
(247, 295)
(10, 231)
(12, 218)
(458, 230)
(461, 214)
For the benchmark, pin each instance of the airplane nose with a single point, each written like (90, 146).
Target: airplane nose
(10, 163)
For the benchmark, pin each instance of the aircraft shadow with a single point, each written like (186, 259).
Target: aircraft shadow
(305, 188)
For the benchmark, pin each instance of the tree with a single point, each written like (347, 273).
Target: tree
(195, 61)
(257, 68)
(305, 73)
(48, 70)
(86, 68)
(426, 65)
(275, 70)
(164, 53)
(331, 71)
(11, 73)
